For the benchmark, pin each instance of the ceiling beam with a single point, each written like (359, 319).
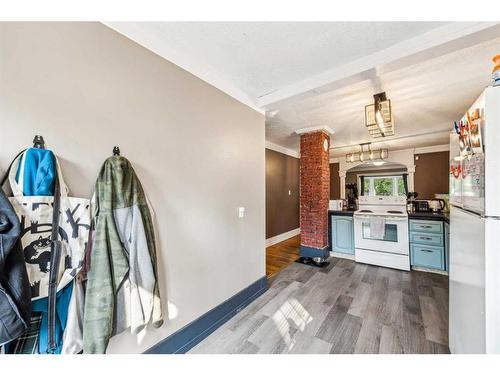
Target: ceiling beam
(450, 37)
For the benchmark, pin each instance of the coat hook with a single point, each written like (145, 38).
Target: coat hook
(116, 151)
(38, 142)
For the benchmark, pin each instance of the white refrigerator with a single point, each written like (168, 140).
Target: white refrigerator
(474, 273)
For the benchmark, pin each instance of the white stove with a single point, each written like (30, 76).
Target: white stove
(381, 232)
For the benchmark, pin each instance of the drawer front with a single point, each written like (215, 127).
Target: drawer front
(427, 256)
(426, 226)
(432, 239)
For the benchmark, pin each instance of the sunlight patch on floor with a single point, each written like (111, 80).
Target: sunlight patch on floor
(291, 311)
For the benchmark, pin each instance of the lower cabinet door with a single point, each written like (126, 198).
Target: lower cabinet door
(343, 234)
(427, 256)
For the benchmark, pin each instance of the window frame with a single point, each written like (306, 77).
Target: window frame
(370, 178)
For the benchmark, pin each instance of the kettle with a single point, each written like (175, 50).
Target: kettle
(437, 205)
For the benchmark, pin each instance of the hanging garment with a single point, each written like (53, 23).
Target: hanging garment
(36, 340)
(122, 287)
(39, 171)
(54, 232)
(15, 297)
(72, 341)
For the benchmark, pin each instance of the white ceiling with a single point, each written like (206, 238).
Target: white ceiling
(260, 58)
(323, 74)
(426, 98)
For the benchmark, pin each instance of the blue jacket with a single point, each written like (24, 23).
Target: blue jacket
(39, 172)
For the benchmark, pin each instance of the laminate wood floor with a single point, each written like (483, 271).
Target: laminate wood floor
(346, 307)
(281, 255)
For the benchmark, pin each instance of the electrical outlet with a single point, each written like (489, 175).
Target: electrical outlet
(241, 212)
(289, 192)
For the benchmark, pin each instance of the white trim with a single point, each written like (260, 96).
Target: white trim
(341, 255)
(334, 160)
(136, 32)
(281, 149)
(282, 237)
(429, 149)
(434, 38)
(313, 129)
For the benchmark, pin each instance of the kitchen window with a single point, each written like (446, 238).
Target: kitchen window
(377, 186)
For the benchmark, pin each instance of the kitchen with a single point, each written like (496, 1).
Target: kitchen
(387, 225)
(413, 202)
(413, 227)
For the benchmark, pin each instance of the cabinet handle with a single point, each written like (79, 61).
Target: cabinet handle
(427, 251)
(426, 238)
(426, 226)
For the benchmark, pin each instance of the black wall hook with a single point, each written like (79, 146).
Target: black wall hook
(116, 151)
(38, 142)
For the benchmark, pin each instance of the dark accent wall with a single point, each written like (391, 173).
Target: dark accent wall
(334, 181)
(432, 174)
(282, 210)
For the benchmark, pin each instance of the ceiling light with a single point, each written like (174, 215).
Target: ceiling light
(372, 155)
(378, 116)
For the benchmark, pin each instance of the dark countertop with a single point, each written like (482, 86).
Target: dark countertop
(442, 216)
(341, 212)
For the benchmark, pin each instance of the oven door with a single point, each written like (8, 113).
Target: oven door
(395, 239)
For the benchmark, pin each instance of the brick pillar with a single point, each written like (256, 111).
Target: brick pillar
(314, 194)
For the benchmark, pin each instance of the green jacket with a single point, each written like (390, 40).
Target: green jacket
(122, 287)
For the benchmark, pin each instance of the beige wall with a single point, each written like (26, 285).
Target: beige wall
(198, 152)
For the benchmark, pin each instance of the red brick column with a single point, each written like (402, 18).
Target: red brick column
(314, 194)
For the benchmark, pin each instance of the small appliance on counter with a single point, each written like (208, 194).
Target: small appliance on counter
(446, 199)
(437, 205)
(336, 205)
(410, 202)
(352, 196)
(421, 205)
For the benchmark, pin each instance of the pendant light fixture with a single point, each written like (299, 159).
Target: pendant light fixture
(378, 116)
(374, 156)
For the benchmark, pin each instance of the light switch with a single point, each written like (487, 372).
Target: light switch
(289, 192)
(241, 212)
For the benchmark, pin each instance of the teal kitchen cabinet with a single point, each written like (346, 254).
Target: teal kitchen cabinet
(342, 234)
(428, 244)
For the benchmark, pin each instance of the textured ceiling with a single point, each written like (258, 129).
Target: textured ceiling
(426, 97)
(261, 57)
(307, 74)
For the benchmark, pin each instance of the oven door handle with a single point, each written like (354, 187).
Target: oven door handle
(392, 218)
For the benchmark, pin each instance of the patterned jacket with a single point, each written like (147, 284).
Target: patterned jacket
(122, 288)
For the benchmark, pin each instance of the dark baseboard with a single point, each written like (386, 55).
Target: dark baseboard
(190, 335)
(311, 252)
